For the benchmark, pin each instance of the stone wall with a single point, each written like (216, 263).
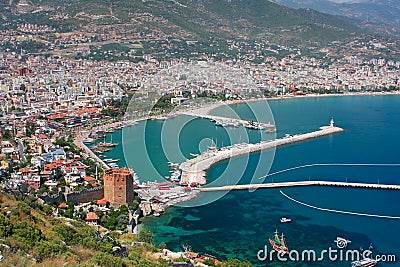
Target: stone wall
(85, 195)
(53, 198)
(82, 196)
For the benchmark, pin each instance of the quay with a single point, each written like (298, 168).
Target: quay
(301, 183)
(79, 143)
(194, 170)
(233, 122)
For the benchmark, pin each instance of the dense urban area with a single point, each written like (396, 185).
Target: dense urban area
(58, 85)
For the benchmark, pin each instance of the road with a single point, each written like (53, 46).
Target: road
(21, 150)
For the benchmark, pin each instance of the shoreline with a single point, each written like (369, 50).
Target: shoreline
(204, 110)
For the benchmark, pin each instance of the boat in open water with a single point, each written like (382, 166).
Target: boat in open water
(366, 262)
(279, 243)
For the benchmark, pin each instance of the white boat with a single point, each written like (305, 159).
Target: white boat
(113, 165)
(366, 262)
(111, 160)
(285, 220)
(87, 140)
(175, 176)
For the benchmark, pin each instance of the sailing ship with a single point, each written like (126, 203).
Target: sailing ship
(279, 243)
(104, 144)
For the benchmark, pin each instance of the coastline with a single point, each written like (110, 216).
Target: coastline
(204, 110)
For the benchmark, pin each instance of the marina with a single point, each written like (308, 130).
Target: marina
(194, 170)
(232, 122)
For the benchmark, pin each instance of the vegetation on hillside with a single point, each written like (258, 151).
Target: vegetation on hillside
(30, 236)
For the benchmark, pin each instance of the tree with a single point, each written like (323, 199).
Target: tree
(122, 221)
(7, 134)
(146, 236)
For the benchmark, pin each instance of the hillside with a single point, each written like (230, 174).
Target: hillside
(184, 19)
(381, 16)
(30, 236)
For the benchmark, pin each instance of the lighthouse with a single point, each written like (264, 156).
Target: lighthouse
(331, 123)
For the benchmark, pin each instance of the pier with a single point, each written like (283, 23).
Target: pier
(194, 170)
(232, 122)
(297, 184)
(78, 142)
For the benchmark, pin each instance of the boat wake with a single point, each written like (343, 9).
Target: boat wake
(339, 211)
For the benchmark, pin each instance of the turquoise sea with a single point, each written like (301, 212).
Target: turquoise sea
(240, 223)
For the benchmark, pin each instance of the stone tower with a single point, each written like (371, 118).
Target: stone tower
(118, 186)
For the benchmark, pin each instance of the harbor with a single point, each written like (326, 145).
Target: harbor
(232, 122)
(194, 170)
(156, 197)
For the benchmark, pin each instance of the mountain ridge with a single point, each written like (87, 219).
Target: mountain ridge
(199, 19)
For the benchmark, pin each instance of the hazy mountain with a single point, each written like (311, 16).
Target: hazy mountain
(382, 16)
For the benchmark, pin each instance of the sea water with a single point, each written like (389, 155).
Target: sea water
(240, 223)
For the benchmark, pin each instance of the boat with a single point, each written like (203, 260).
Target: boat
(175, 176)
(111, 160)
(106, 144)
(279, 244)
(113, 165)
(193, 154)
(171, 164)
(342, 242)
(87, 140)
(366, 262)
(285, 220)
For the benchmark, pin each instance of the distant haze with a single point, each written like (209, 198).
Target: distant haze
(351, 1)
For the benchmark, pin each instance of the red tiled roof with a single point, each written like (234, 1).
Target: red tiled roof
(89, 179)
(24, 170)
(63, 206)
(91, 216)
(50, 166)
(42, 136)
(101, 202)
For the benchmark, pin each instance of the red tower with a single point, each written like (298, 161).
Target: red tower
(118, 186)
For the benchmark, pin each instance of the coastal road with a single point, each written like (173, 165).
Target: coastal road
(21, 150)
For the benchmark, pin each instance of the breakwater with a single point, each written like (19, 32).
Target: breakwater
(300, 183)
(194, 170)
(232, 122)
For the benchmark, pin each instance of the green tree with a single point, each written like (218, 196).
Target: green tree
(146, 236)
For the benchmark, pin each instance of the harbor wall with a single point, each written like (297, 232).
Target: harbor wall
(300, 183)
(194, 170)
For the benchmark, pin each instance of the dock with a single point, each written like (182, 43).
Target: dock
(230, 122)
(298, 184)
(194, 170)
(78, 142)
